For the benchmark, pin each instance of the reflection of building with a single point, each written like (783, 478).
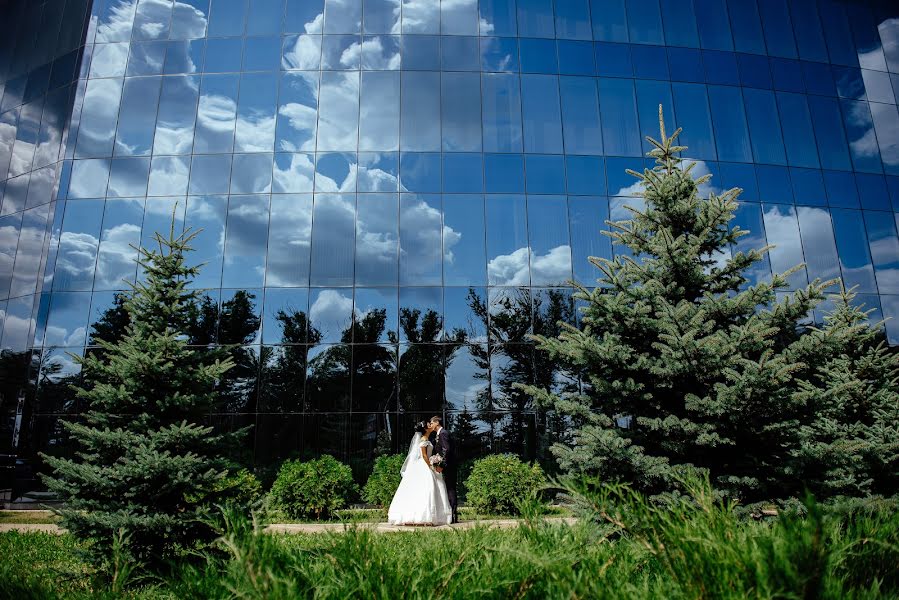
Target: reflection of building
(399, 185)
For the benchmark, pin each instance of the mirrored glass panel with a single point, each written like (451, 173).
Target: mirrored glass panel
(377, 240)
(507, 246)
(289, 241)
(421, 249)
(333, 228)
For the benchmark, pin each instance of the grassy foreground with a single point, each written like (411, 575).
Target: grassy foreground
(697, 550)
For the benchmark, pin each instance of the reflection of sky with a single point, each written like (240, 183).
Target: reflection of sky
(309, 127)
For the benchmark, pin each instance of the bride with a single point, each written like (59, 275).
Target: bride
(421, 497)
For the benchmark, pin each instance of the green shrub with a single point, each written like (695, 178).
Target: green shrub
(465, 467)
(242, 486)
(313, 489)
(384, 479)
(499, 483)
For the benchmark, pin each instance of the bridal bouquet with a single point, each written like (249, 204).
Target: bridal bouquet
(437, 461)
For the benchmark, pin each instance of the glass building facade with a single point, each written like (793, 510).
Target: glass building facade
(393, 193)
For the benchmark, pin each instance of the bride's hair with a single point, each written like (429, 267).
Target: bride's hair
(421, 427)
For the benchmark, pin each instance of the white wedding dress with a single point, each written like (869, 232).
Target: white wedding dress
(421, 497)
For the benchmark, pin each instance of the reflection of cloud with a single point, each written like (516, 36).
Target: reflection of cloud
(420, 242)
(77, 254)
(28, 259)
(338, 118)
(509, 269)
(554, 267)
(633, 190)
(248, 218)
(153, 18)
(293, 173)
(889, 37)
(9, 237)
(59, 336)
(451, 238)
(302, 118)
(255, 132)
(421, 16)
(331, 307)
(188, 22)
(297, 112)
(7, 137)
(89, 178)
(375, 180)
(177, 115)
(860, 117)
(818, 242)
(98, 117)
(376, 247)
(289, 239)
(866, 145)
(459, 17)
(116, 256)
(300, 52)
(216, 113)
(115, 23)
(783, 232)
(15, 331)
(373, 55)
(108, 60)
(168, 176)
(887, 275)
(886, 124)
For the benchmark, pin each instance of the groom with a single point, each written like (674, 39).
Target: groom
(443, 446)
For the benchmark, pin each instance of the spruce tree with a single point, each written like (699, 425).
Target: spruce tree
(683, 363)
(144, 464)
(849, 443)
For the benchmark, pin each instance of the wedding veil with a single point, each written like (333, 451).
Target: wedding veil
(413, 454)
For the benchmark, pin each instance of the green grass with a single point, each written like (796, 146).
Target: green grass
(623, 547)
(27, 517)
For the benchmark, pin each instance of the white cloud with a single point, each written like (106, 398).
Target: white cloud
(297, 176)
(188, 22)
(782, 230)
(116, 256)
(509, 269)
(77, 254)
(117, 22)
(331, 309)
(99, 116)
(421, 16)
(552, 268)
(301, 52)
(338, 118)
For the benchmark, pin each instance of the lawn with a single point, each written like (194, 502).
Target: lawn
(637, 552)
(27, 517)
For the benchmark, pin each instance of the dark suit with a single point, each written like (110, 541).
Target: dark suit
(444, 447)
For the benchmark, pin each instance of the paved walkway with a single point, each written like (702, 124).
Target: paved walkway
(318, 527)
(322, 527)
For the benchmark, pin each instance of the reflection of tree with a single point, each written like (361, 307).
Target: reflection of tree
(202, 320)
(204, 317)
(465, 434)
(111, 325)
(374, 365)
(239, 324)
(13, 369)
(511, 359)
(235, 324)
(284, 367)
(424, 363)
